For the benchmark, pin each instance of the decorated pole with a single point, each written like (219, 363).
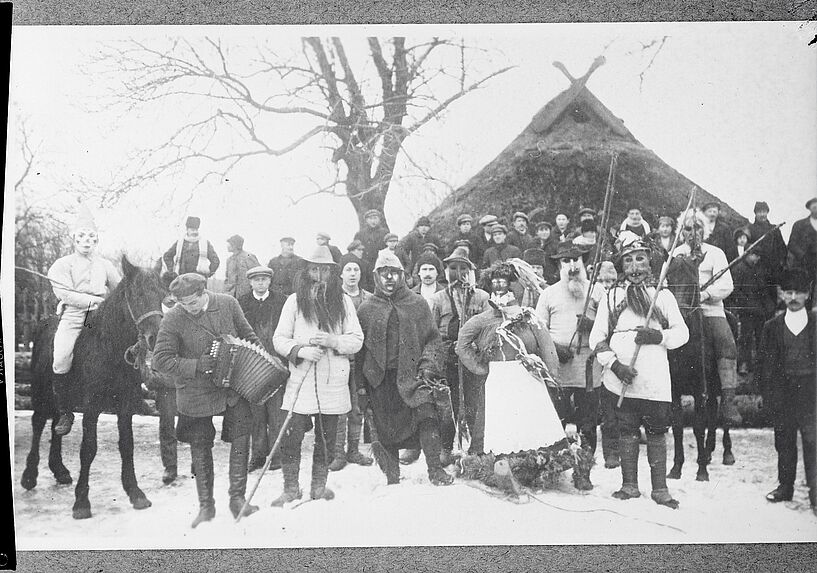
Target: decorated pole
(658, 287)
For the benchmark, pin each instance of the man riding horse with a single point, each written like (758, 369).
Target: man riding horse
(81, 281)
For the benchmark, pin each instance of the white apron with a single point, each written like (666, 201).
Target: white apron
(519, 414)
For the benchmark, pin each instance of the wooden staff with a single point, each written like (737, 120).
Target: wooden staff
(661, 279)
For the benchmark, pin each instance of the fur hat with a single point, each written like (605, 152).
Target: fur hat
(534, 256)
(429, 258)
(237, 241)
(192, 223)
(187, 284)
(349, 258)
(761, 206)
(386, 258)
(795, 279)
(500, 269)
(259, 271)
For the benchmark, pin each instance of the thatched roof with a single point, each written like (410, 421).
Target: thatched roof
(561, 161)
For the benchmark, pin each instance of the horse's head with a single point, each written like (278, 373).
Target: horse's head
(144, 293)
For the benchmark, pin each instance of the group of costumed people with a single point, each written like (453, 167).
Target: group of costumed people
(501, 360)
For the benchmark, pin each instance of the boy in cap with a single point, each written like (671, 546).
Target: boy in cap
(500, 251)
(788, 385)
(401, 348)
(240, 261)
(322, 239)
(80, 281)
(518, 236)
(183, 350)
(485, 237)
(356, 250)
(285, 267)
(262, 309)
(192, 253)
(372, 235)
(465, 232)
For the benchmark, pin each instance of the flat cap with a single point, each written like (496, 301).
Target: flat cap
(371, 212)
(488, 220)
(259, 271)
(499, 229)
(323, 235)
(354, 245)
(520, 215)
(287, 240)
(543, 224)
(187, 284)
(464, 218)
(586, 210)
(710, 204)
(390, 237)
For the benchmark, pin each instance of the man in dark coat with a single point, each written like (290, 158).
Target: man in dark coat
(549, 244)
(239, 262)
(401, 347)
(183, 351)
(803, 241)
(262, 309)
(501, 251)
(485, 239)
(372, 235)
(773, 249)
(285, 267)
(719, 234)
(357, 249)
(518, 236)
(465, 232)
(192, 253)
(788, 385)
(410, 247)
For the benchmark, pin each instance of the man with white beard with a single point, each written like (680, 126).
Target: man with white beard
(560, 308)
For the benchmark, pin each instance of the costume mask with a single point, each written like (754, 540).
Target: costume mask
(85, 240)
(390, 279)
(636, 266)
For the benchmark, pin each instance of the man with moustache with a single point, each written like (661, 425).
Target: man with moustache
(719, 342)
(561, 308)
(401, 348)
(262, 309)
(619, 329)
(518, 236)
(485, 239)
(429, 269)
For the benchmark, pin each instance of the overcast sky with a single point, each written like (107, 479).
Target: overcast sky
(731, 106)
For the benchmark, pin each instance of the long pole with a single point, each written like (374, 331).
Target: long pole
(276, 445)
(460, 381)
(751, 247)
(659, 286)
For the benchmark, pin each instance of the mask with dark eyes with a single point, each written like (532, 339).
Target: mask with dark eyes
(636, 266)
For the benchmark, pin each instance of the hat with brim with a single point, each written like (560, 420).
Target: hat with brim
(632, 247)
(810, 202)
(259, 271)
(520, 215)
(498, 228)
(544, 225)
(459, 255)
(387, 259)
(390, 237)
(431, 247)
(567, 250)
(321, 256)
(465, 218)
(371, 213)
(289, 240)
(710, 204)
(586, 211)
(187, 284)
(322, 235)
(488, 220)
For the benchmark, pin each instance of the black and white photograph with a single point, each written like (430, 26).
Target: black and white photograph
(411, 285)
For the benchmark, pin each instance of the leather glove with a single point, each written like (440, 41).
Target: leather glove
(205, 364)
(564, 353)
(648, 336)
(584, 324)
(625, 373)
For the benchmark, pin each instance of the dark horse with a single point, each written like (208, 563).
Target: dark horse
(693, 372)
(101, 380)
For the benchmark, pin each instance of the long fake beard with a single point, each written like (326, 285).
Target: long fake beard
(638, 299)
(577, 283)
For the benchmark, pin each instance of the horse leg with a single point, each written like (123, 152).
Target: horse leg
(61, 473)
(711, 424)
(699, 429)
(87, 453)
(31, 472)
(728, 456)
(678, 439)
(137, 496)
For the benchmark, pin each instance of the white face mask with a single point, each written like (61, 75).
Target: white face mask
(85, 240)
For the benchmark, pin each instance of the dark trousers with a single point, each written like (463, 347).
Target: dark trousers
(474, 400)
(751, 328)
(584, 408)
(609, 422)
(326, 427)
(793, 415)
(166, 405)
(267, 420)
(635, 412)
(353, 421)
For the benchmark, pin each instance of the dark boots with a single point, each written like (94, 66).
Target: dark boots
(727, 371)
(388, 461)
(239, 456)
(780, 493)
(657, 457)
(430, 442)
(628, 451)
(353, 453)
(318, 489)
(201, 454)
(62, 399)
(292, 489)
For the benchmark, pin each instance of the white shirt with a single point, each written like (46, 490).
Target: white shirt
(713, 262)
(427, 292)
(796, 321)
(260, 298)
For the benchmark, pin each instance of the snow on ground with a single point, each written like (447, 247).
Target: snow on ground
(729, 508)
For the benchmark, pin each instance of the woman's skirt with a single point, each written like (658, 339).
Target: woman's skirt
(519, 413)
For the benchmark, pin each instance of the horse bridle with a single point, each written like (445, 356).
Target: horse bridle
(143, 316)
(132, 353)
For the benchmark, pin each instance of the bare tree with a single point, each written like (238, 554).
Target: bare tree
(362, 107)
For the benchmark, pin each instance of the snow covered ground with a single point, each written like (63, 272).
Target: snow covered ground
(729, 508)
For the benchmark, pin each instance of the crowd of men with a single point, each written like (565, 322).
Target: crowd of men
(366, 333)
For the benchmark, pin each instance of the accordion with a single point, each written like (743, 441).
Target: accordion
(247, 368)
